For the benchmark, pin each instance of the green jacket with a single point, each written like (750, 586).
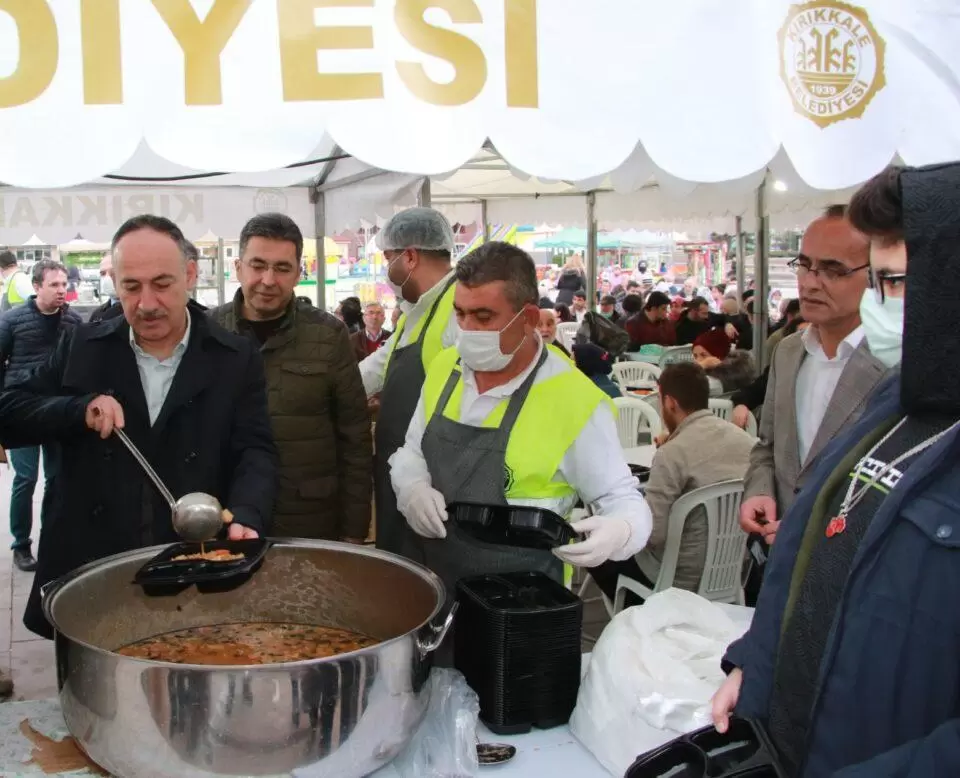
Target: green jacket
(318, 410)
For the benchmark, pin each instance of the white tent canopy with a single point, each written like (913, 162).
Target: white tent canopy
(705, 91)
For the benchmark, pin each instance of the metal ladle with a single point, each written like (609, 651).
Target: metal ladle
(197, 517)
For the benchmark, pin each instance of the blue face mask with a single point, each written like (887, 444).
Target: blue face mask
(883, 325)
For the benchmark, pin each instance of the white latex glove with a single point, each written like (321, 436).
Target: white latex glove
(424, 509)
(606, 538)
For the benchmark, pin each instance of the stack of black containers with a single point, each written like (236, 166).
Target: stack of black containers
(517, 642)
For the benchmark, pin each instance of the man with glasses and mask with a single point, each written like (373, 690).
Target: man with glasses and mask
(317, 408)
(503, 420)
(819, 380)
(851, 659)
(417, 246)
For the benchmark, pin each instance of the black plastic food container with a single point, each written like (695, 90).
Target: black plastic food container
(512, 525)
(163, 576)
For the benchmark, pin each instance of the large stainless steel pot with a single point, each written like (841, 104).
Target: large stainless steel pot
(343, 716)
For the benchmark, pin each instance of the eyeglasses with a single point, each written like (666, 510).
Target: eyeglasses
(280, 269)
(883, 281)
(828, 269)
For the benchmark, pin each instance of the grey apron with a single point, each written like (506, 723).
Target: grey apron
(398, 401)
(468, 464)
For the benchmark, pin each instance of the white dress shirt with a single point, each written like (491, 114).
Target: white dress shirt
(594, 465)
(371, 367)
(816, 381)
(156, 375)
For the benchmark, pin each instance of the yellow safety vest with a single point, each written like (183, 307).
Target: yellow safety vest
(551, 419)
(432, 339)
(13, 296)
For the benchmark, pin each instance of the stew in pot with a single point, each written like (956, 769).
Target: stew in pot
(249, 643)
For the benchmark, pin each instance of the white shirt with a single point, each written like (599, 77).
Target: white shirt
(594, 465)
(816, 381)
(156, 375)
(372, 367)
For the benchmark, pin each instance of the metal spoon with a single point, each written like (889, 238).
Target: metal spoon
(197, 517)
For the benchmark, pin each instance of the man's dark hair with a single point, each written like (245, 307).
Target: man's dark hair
(608, 299)
(581, 294)
(696, 302)
(7, 259)
(631, 284)
(159, 224)
(748, 306)
(656, 300)
(273, 226)
(835, 211)
(721, 287)
(686, 383)
(793, 307)
(499, 261)
(632, 303)
(352, 311)
(877, 207)
(563, 313)
(44, 266)
(192, 252)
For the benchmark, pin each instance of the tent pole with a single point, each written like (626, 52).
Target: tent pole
(760, 273)
(423, 198)
(741, 259)
(320, 229)
(484, 225)
(221, 269)
(591, 257)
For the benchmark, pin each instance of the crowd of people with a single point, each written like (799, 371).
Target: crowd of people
(304, 423)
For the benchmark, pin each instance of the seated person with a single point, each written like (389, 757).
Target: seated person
(701, 449)
(563, 312)
(608, 309)
(595, 363)
(743, 329)
(652, 326)
(750, 397)
(732, 369)
(695, 320)
(548, 329)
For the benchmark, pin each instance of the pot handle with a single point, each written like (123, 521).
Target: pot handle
(438, 632)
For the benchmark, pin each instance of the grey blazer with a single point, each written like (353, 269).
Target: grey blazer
(775, 466)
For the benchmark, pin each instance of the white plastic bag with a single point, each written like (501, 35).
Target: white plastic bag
(651, 676)
(445, 745)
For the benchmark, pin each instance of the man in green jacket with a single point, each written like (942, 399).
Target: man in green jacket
(318, 408)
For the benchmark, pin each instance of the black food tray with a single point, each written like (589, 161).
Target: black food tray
(512, 525)
(744, 751)
(162, 576)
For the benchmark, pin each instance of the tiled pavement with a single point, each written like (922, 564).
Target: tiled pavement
(28, 657)
(31, 659)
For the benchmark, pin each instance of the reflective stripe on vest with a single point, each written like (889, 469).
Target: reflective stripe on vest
(433, 337)
(549, 423)
(13, 296)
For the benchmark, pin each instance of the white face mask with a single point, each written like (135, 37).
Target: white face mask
(107, 289)
(397, 289)
(883, 325)
(480, 349)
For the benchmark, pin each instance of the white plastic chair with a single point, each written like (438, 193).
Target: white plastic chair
(726, 546)
(752, 427)
(721, 408)
(675, 354)
(566, 332)
(633, 417)
(631, 374)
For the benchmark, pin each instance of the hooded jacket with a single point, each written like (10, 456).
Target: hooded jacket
(887, 700)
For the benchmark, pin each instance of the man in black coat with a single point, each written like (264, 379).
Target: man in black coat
(28, 335)
(190, 395)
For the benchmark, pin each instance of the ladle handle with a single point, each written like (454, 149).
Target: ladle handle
(146, 467)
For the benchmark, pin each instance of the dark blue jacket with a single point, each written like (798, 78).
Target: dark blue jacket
(888, 700)
(26, 341)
